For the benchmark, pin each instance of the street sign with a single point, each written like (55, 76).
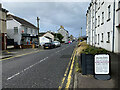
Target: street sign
(102, 66)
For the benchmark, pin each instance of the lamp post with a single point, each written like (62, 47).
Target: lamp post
(81, 32)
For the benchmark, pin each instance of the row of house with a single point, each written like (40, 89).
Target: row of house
(103, 24)
(50, 36)
(17, 31)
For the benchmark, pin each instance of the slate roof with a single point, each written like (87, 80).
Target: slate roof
(63, 29)
(42, 33)
(22, 21)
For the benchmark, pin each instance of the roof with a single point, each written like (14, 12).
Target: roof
(22, 21)
(48, 37)
(42, 33)
(63, 29)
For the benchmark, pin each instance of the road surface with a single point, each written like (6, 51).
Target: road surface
(43, 69)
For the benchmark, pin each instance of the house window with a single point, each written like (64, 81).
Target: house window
(96, 5)
(98, 21)
(36, 32)
(102, 38)
(108, 37)
(95, 38)
(25, 30)
(109, 12)
(102, 17)
(102, 2)
(98, 39)
(99, 4)
(31, 31)
(15, 30)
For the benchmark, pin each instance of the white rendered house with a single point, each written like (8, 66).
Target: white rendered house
(45, 37)
(21, 30)
(64, 33)
(103, 24)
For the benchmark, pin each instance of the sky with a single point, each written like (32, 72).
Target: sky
(72, 15)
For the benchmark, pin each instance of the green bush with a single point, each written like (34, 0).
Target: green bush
(94, 50)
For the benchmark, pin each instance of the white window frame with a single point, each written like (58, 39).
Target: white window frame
(15, 30)
(31, 31)
(26, 30)
(98, 39)
(108, 36)
(98, 21)
(102, 35)
(102, 17)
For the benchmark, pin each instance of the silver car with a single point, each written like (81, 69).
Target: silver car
(56, 43)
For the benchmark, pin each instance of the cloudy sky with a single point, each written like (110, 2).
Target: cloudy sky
(72, 15)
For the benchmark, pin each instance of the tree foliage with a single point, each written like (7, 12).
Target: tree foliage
(59, 36)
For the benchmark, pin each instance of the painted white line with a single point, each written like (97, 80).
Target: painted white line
(33, 65)
(26, 69)
(13, 76)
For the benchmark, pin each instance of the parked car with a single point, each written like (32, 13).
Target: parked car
(36, 44)
(56, 43)
(48, 45)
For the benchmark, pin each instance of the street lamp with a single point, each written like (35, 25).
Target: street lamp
(81, 31)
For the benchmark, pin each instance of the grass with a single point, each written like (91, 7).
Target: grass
(94, 50)
(83, 47)
(77, 68)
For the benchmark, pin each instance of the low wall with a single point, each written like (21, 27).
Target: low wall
(23, 46)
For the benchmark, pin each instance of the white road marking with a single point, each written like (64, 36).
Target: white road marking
(13, 76)
(32, 65)
(26, 69)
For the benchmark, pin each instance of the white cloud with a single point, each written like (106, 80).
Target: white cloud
(71, 15)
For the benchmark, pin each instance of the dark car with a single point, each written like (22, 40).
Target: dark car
(48, 45)
(36, 44)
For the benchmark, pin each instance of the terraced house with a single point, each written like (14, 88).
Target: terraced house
(3, 30)
(103, 24)
(22, 31)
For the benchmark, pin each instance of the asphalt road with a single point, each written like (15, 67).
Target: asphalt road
(44, 69)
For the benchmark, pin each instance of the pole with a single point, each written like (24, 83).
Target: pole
(113, 26)
(38, 29)
(81, 32)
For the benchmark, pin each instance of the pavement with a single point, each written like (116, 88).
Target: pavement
(37, 69)
(13, 52)
(89, 82)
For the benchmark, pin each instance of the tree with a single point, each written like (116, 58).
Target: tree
(58, 36)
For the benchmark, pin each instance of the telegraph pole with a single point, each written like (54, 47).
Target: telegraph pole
(81, 32)
(38, 29)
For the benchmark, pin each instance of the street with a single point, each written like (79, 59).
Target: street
(43, 69)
